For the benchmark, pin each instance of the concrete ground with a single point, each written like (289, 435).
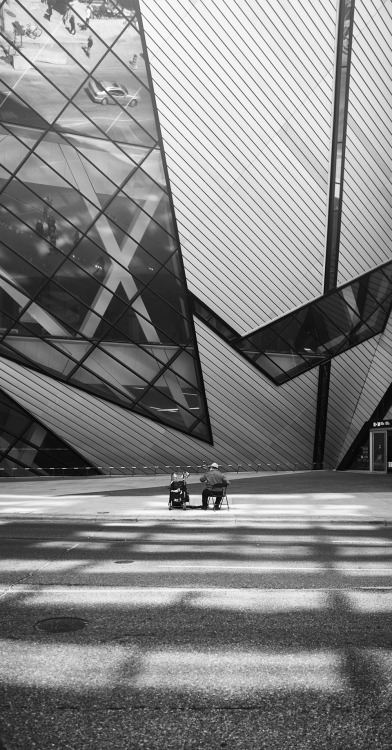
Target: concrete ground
(124, 625)
(256, 496)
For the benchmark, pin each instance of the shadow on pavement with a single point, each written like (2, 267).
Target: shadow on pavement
(256, 636)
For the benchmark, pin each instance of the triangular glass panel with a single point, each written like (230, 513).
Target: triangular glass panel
(13, 150)
(153, 166)
(201, 431)
(18, 106)
(30, 447)
(156, 206)
(6, 441)
(387, 270)
(86, 380)
(77, 123)
(379, 285)
(140, 245)
(146, 191)
(88, 223)
(145, 363)
(123, 158)
(184, 364)
(182, 392)
(275, 364)
(259, 341)
(161, 406)
(377, 320)
(172, 325)
(361, 333)
(24, 345)
(58, 183)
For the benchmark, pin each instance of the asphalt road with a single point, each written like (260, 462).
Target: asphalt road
(194, 635)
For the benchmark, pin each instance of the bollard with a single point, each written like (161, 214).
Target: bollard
(133, 470)
(258, 465)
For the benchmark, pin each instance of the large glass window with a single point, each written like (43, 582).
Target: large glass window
(317, 331)
(92, 286)
(27, 447)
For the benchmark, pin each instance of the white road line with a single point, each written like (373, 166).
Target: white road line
(222, 567)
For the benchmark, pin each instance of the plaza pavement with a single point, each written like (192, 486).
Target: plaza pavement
(323, 495)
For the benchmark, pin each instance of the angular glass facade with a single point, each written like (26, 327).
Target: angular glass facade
(27, 447)
(316, 332)
(92, 285)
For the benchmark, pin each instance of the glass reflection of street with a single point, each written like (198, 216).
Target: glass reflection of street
(56, 73)
(92, 288)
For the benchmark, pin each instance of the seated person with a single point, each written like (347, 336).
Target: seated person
(212, 477)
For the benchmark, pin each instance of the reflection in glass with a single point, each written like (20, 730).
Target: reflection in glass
(27, 447)
(379, 452)
(316, 332)
(92, 286)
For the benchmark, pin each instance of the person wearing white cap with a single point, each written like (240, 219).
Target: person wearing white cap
(212, 477)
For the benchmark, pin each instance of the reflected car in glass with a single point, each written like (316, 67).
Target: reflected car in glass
(109, 92)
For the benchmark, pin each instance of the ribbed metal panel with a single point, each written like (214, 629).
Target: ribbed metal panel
(252, 420)
(244, 94)
(359, 380)
(366, 230)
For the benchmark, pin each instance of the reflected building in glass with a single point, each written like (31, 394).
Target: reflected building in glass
(188, 282)
(92, 286)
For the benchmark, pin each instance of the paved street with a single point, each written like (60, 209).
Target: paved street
(265, 626)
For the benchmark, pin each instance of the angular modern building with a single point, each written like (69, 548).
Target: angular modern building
(195, 244)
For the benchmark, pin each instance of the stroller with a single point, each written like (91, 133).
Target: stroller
(178, 493)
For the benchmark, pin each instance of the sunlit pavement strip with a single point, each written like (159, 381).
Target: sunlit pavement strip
(107, 498)
(84, 666)
(134, 508)
(361, 599)
(135, 665)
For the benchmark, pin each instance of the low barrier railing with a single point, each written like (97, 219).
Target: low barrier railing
(154, 470)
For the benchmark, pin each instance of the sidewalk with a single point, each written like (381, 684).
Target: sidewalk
(297, 496)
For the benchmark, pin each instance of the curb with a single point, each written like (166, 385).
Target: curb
(185, 518)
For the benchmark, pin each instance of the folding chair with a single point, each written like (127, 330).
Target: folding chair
(218, 490)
